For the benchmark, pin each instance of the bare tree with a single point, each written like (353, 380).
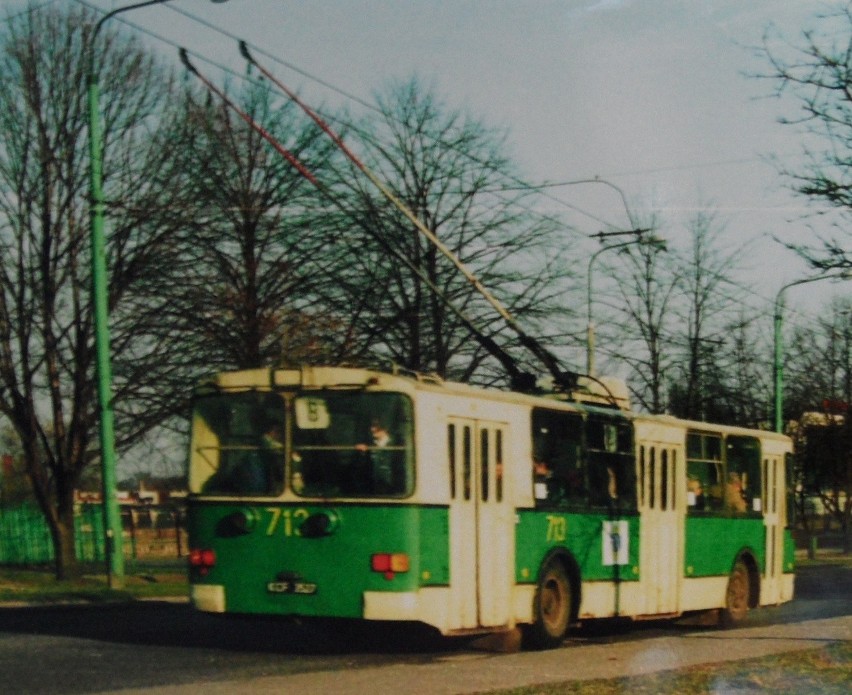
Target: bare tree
(737, 378)
(249, 267)
(706, 298)
(818, 73)
(817, 360)
(452, 172)
(46, 325)
(819, 390)
(646, 284)
(15, 486)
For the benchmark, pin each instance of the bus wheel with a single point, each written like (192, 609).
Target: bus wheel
(552, 608)
(737, 596)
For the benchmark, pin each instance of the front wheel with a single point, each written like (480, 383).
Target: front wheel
(737, 596)
(552, 608)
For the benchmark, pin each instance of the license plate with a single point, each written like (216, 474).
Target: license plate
(291, 588)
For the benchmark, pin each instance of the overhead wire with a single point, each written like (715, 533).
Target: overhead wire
(349, 125)
(508, 362)
(520, 184)
(29, 8)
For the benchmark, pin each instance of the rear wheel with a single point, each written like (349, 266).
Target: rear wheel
(552, 608)
(737, 596)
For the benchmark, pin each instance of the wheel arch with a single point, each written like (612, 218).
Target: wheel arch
(572, 569)
(748, 557)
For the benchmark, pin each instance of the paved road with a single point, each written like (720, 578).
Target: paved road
(165, 648)
(472, 673)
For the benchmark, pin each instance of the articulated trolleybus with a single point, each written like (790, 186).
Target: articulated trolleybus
(343, 492)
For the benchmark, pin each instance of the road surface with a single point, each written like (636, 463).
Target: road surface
(166, 648)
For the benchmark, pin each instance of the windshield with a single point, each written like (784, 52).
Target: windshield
(352, 444)
(326, 444)
(238, 444)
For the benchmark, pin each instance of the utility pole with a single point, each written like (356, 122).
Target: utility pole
(100, 298)
(654, 241)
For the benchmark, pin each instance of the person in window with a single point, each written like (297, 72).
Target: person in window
(695, 493)
(260, 467)
(273, 437)
(548, 487)
(380, 457)
(541, 479)
(611, 483)
(734, 499)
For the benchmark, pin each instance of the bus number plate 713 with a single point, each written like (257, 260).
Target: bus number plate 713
(291, 587)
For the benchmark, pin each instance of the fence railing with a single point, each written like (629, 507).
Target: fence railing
(154, 531)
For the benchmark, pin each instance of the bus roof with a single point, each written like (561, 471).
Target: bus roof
(308, 377)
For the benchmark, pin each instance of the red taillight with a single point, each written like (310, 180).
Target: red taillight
(389, 563)
(202, 559)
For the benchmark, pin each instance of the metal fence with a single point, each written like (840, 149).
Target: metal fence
(149, 531)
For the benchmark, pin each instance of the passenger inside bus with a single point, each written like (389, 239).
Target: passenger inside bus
(694, 493)
(542, 476)
(735, 500)
(382, 463)
(255, 466)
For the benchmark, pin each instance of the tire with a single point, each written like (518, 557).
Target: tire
(737, 596)
(552, 608)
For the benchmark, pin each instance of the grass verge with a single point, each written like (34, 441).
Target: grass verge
(827, 671)
(39, 585)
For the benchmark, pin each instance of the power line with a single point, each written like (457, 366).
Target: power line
(30, 8)
(520, 184)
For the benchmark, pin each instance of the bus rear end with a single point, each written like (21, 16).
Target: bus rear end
(299, 499)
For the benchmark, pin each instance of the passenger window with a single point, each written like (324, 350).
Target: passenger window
(498, 465)
(451, 443)
(611, 466)
(704, 484)
(742, 480)
(558, 468)
(484, 463)
(467, 452)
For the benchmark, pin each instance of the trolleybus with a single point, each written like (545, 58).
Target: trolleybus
(354, 493)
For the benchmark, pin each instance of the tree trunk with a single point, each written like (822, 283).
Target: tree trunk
(64, 546)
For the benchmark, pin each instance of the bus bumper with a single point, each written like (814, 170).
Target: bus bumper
(208, 597)
(426, 606)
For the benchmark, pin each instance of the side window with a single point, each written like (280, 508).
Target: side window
(611, 470)
(704, 472)
(790, 489)
(558, 468)
(467, 461)
(742, 491)
(451, 444)
(498, 465)
(484, 463)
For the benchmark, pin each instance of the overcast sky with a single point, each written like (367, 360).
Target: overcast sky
(651, 95)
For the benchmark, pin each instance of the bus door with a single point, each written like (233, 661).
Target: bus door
(773, 501)
(481, 524)
(660, 479)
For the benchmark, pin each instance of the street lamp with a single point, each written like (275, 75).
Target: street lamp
(778, 366)
(112, 518)
(654, 241)
(610, 185)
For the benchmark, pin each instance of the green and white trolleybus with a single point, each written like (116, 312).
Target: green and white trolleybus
(352, 493)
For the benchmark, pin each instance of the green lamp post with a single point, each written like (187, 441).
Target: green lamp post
(100, 296)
